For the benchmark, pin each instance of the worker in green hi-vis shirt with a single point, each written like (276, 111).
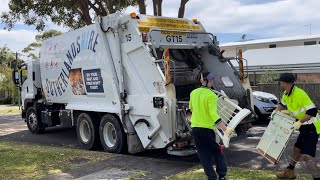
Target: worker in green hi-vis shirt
(301, 107)
(204, 104)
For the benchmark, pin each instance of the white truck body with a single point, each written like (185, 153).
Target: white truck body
(114, 67)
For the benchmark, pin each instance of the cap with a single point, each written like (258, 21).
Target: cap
(286, 77)
(208, 76)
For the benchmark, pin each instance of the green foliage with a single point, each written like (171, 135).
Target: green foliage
(6, 84)
(268, 76)
(8, 62)
(70, 13)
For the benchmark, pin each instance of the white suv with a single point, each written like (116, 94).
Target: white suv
(264, 103)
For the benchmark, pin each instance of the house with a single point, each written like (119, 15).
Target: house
(299, 55)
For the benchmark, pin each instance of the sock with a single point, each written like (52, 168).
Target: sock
(291, 167)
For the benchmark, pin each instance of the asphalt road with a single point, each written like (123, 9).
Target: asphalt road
(242, 153)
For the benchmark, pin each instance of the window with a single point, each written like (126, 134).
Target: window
(227, 81)
(310, 43)
(272, 45)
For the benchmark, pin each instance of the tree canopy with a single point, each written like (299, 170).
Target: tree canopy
(71, 13)
(8, 62)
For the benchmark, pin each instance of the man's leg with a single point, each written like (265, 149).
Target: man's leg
(201, 138)
(312, 165)
(217, 156)
(295, 157)
(221, 165)
(308, 151)
(288, 172)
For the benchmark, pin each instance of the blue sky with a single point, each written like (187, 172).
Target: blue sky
(227, 19)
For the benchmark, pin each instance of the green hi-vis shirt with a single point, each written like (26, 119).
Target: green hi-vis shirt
(298, 103)
(203, 104)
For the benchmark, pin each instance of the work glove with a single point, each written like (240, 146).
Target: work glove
(296, 125)
(230, 132)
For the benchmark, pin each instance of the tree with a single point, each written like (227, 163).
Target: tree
(6, 85)
(33, 48)
(7, 58)
(142, 6)
(268, 76)
(182, 8)
(8, 62)
(157, 7)
(3, 55)
(70, 13)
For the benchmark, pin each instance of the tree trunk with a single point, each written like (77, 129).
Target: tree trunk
(182, 8)
(84, 10)
(142, 6)
(157, 7)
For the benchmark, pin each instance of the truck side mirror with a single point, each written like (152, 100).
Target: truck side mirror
(15, 77)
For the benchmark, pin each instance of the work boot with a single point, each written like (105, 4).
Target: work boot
(286, 173)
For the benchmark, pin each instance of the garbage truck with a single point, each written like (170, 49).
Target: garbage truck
(124, 82)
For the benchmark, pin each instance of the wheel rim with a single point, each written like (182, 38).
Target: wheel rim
(85, 132)
(32, 120)
(109, 134)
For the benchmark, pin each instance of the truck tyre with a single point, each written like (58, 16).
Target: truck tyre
(34, 124)
(87, 132)
(112, 136)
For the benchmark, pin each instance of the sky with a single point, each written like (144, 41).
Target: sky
(227, 19)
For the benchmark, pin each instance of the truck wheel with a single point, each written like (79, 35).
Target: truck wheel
(87, 132)
(34, 124)
(112, 136)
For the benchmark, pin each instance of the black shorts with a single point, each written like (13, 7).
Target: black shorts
(307, 140)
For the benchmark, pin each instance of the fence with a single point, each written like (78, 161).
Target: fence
(313, 90)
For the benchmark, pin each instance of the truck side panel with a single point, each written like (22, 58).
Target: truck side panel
(77, 70)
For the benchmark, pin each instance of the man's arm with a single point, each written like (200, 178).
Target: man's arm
(311, 110)
(280, 107)
(305, 118)
(190, 102)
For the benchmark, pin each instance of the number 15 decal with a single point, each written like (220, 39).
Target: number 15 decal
(128, 37)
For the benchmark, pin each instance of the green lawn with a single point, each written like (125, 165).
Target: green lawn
(10, 111)
(29, 161)
(233, 174)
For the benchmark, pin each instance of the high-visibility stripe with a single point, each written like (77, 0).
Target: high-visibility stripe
(298, 111)
(167, 60)
(303, 109)
(283, 103)
(310, 107)
(312, 120)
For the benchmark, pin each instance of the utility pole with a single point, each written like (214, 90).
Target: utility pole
(310, 27)
(16, 69)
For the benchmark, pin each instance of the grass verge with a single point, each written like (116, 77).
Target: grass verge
(10, 111)
(28, 161)
(233, 174)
